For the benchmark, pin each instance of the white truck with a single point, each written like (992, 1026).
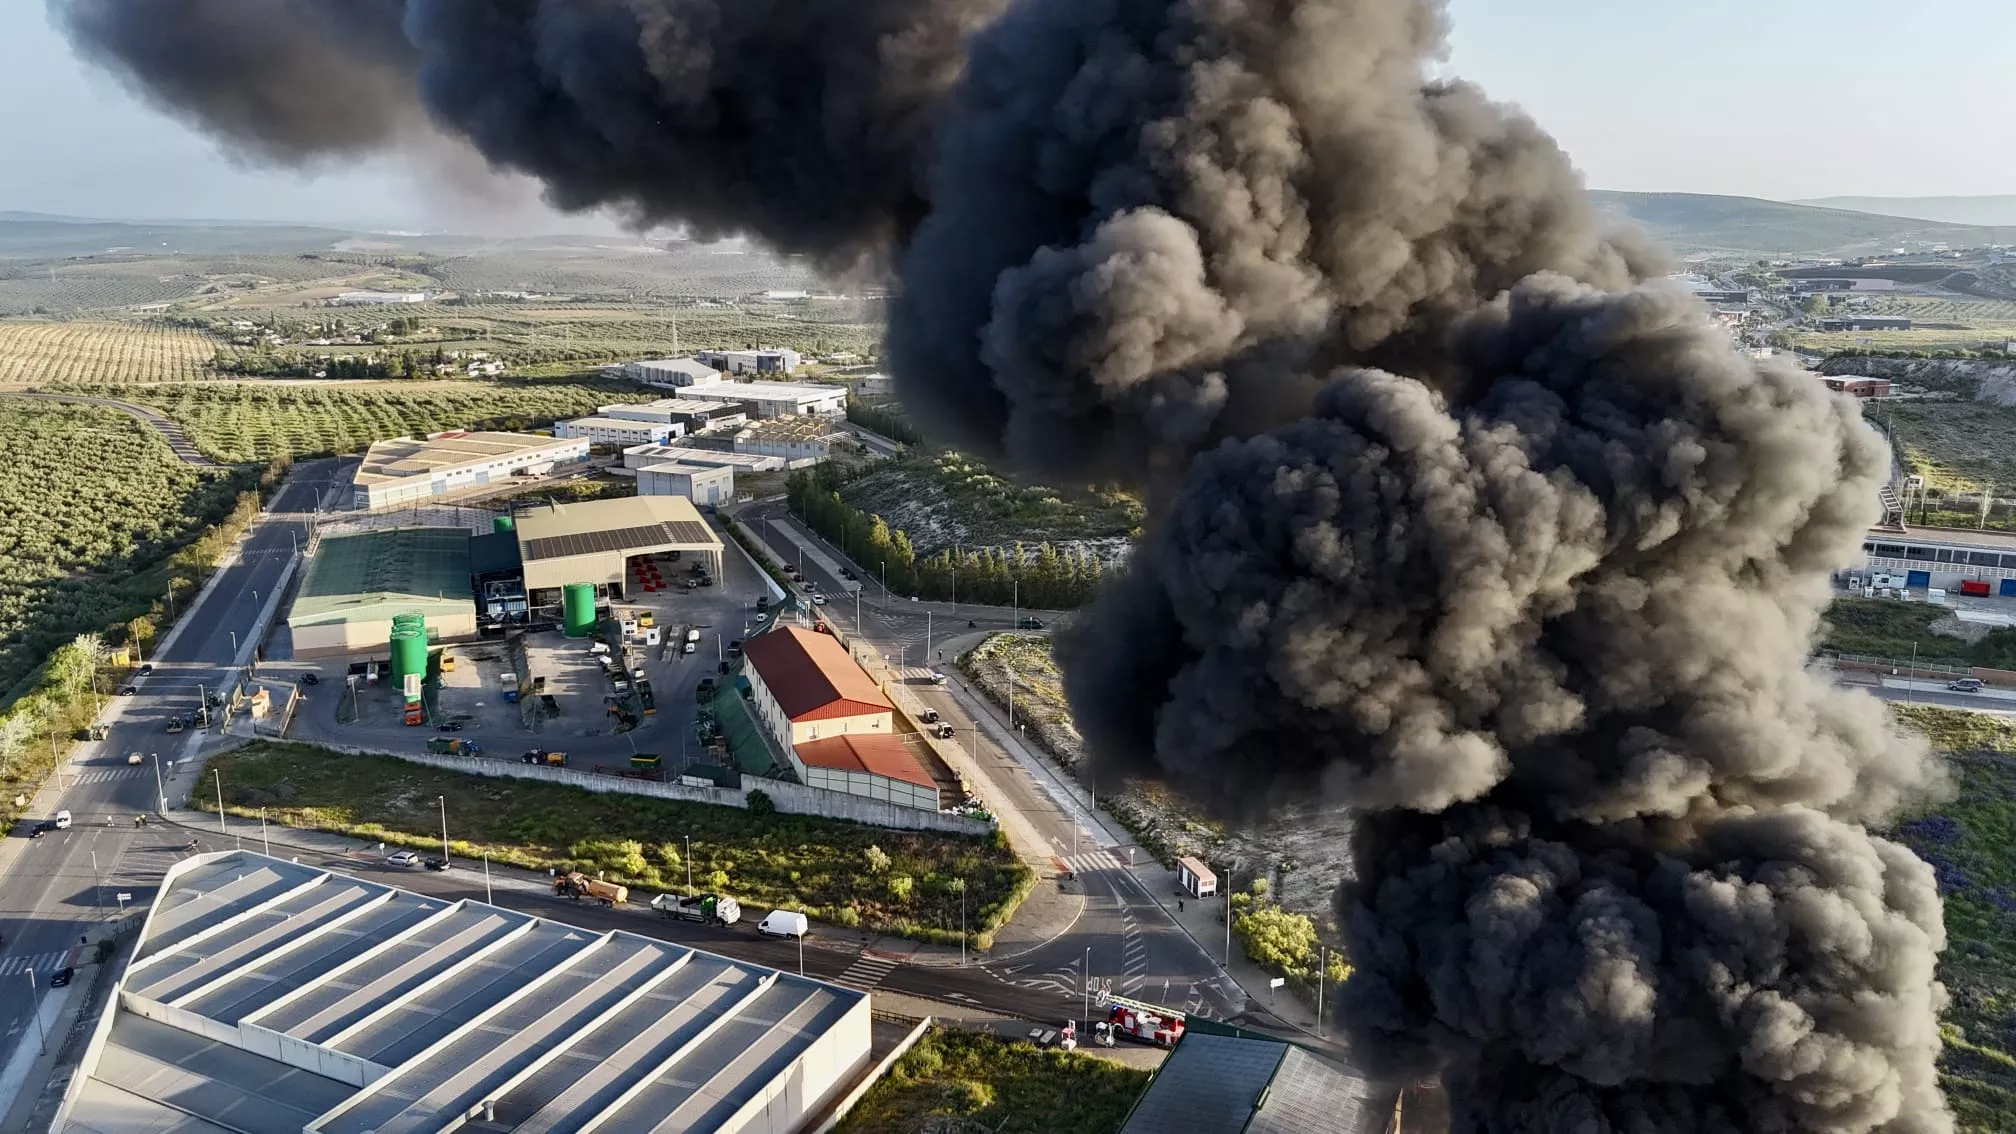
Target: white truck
(708, 908)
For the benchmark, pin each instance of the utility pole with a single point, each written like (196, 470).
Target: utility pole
(1011, 696)
(689, 865)
(488, 897)
(219, 778)
(443, 800)
(35, 1010)
(1085, 984)
(97, 885)
(159, 789)
(263, 836)
(962, 923)
(1322, 966)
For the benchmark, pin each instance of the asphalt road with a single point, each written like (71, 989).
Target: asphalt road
(177, 440)
(57, 886)
(1132, 943)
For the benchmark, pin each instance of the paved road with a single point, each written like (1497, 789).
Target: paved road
(170, 431)
(57, 886)
(1132, 942)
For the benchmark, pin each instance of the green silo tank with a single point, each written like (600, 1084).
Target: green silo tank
(501, 523)
(409, 654)
(577, 609)
(409, 620)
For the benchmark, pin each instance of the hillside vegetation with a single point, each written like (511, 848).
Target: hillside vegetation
(999, 1086)
(1749, 226)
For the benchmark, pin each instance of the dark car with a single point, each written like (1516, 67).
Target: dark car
(128, 690)
(1030, 624)
(310, 679)
(735, 646)
(146, 669)
(847, 572)
(451, 726)
(41, 829)
(212, 700)
(436, 864)
(61, 977)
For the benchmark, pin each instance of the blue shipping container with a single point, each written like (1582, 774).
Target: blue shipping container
(2009, 588)
(1918, 579)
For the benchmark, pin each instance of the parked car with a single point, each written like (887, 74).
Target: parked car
(848, 573)
(783, 923)
(1030, 624)
(401, 858)
(437, 864)
(128, 690)
(818, 600)
(310, 679)
(942, 731)
(761, 619)
(41, 829)
(928, 716)
(1965, 685)
(451, 726)
(61, 976)
(146, 669)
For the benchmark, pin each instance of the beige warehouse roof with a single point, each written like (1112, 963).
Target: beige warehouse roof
(404, 457)
(588, 542)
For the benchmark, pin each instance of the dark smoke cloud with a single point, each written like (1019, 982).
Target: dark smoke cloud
(802, 122)
(1455, 523)
(1150, 217)
(1553, 638)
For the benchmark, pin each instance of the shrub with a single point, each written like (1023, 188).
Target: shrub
(878, 859)
(901, 886)
(760, 803)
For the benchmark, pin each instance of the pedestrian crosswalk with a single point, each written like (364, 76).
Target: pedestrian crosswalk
(38, 963)
(107, 775)
(1088, 861)
(866, 972)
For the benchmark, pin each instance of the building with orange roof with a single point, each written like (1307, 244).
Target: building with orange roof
(874, 765)
(805, 687)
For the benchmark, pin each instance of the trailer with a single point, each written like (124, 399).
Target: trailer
(453, 746)
(646, 761)
(547, 759)
(577, 886)
(1144, 1022)
(709, 908)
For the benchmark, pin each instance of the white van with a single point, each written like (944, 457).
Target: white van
(63, 824)
(783, 923)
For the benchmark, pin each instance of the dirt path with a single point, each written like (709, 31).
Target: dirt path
(171, 432)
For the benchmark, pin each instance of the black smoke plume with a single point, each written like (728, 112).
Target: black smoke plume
(1456, 522)
(801, 122)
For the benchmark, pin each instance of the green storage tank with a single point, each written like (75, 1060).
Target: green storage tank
(577, 609)
(409, 654)
(410, 620)
(502, 524)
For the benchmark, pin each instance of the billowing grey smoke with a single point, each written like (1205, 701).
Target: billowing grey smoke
(799, 121)
(1554, 636)
(1455, 522)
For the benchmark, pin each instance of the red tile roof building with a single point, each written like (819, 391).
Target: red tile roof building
(805, 687)
(867, 764)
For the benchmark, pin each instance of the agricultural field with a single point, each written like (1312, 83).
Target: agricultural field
(895, 881)
(255, 421)
(960, 1080)
(1940, 322)
(34, 353)
(106, 283)
(1970, 844)
(1304, 854)
(1958, 447)
(91, 504)
(942, 498)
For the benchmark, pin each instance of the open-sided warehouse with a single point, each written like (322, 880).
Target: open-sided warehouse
(404, 470)
(592, 542)
(356, 583)
(267, 997)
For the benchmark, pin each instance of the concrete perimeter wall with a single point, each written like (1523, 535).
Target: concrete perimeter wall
(795, 799)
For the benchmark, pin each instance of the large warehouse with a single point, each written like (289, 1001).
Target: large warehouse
(355, 584)
(268, 997)
(404, 470)
(593, 542)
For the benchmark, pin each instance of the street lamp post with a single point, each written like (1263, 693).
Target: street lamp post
(264, 838)
(689, 865)
(1085, 984)
(1228, 912)
(443, 801)
(160, 789)
(962, 923)
(1011, 696)
(97, 884)
(219, 778)
(488, 896)
(1323, 964)
(35, 1010)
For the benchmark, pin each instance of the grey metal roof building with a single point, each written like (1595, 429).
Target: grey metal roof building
(266, 997)
(1244, 1084)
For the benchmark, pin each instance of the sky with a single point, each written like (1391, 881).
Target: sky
(1788, 99)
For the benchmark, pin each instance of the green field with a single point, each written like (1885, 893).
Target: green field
(1955, 446)
(999, 1086)
(40, 352)
(901, 882)
(91, 505)
(1886, 628)
(1971, 844)
(943, 498)
(251, 421)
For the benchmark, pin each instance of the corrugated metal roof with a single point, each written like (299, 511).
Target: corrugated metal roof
(877, 753)
(685, 533)
(592, 516)
(361, 576)
(812, 677)
(1219, 1084)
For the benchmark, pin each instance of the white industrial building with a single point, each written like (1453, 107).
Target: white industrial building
(593, 541)
(775, 399)
(763, 360)
(644, 456)
(704, 485)
(793, 439)
(690, 412)
(404, 470)
(269, 997)
(377, 298)
(672, 372)
(600, 430)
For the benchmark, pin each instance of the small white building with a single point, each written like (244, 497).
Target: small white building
(618, 431)
(775, 399)
(704, 485)
(685, 453)
(377, 298)
(669, 372)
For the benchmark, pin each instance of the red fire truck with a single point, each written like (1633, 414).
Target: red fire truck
(1148, 1023)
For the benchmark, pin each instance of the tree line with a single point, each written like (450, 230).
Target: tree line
(888, 422)
(1045, 578)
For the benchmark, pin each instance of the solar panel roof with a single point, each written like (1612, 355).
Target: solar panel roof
(617, 539)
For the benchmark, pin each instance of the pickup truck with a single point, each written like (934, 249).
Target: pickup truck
(698, 907)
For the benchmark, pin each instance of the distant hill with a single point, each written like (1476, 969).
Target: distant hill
(1750, 226)
(1990, 210)
(30, 236)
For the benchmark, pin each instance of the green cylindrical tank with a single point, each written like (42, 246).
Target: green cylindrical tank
(409, 654)
(501, 523)
(409, 620)
(577, 609)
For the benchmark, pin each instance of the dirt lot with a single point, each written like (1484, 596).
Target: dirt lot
(1955, 446)
(945, 498)
(1314, 847)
